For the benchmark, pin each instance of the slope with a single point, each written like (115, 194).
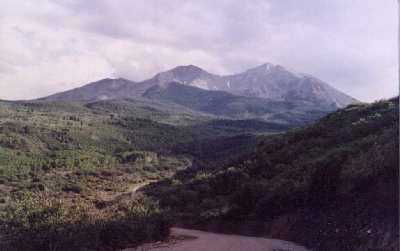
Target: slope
(329, 186)
(224, 104)
(268, 81)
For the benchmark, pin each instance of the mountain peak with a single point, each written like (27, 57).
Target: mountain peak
(111, 80)
(264, 68)
(187, 69)
(185, 74)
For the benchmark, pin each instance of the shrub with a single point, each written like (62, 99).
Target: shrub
(39, 222)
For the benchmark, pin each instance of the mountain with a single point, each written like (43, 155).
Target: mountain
(104, 89)
(267, 92)
(214, 102)
(330, 186)
(221, 103)
(188, 75)
(268, 81)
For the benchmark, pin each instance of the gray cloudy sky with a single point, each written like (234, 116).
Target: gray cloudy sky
(53, 45)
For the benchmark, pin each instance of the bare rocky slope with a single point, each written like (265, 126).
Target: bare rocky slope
(268, 81)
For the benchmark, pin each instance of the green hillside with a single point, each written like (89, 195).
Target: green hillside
(89, 156)
(74, 135)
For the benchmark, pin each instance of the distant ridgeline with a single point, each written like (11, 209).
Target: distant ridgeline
(267, 92)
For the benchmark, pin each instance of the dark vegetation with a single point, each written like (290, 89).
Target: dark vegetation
(330, 186)
(40, 223)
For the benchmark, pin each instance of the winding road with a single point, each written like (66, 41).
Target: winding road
(194, 240)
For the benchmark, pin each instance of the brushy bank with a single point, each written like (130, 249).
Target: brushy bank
(38, 222)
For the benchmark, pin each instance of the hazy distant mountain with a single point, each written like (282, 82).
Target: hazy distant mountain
(105, 89)
(266, 81)
(267, 92)
(221, 103)
(214, 102)
(189, 75)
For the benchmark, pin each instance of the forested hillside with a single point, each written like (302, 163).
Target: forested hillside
(330, 186)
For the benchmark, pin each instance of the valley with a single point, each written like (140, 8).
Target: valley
(116, 163)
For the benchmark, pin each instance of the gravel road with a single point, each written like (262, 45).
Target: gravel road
(194, 240)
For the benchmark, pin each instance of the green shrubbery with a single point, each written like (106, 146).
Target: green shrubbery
(37, 222)
(73, 136)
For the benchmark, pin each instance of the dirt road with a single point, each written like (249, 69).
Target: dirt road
(193, 240)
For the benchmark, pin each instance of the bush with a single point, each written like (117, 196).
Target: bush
(37, 222)
(74, 188)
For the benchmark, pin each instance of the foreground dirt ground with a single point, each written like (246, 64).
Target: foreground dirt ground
(194, 240)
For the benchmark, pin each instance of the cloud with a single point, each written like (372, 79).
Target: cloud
(49, 46)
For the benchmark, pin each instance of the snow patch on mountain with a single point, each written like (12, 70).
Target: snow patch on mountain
(200, 83)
